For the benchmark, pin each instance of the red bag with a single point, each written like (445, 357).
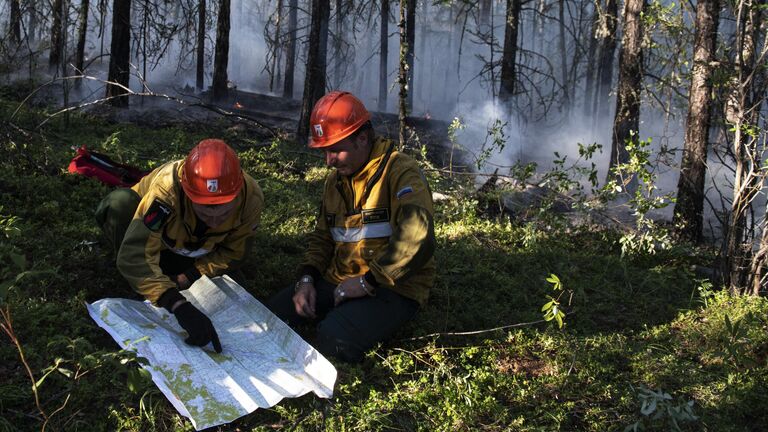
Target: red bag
(91, 164)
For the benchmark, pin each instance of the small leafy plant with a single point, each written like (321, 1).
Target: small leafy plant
(552, 309)
(659, 411)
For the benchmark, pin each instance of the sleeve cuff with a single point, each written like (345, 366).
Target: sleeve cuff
(192, 274)
(309, 270)
(169, 298)
(370, 279)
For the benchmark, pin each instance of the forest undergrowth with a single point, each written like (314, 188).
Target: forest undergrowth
(645, 343)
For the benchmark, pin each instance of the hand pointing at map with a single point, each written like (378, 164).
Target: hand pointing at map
(198, 326)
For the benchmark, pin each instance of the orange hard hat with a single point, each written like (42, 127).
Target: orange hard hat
(336, 116)
(211, 173)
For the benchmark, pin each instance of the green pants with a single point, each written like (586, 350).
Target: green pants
(115, 213)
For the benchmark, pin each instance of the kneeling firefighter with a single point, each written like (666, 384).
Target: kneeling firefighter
(185, 219)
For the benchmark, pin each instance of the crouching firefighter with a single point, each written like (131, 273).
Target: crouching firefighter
(369, 263)
(185, 219)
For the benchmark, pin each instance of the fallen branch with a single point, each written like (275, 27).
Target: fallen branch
(472, 333)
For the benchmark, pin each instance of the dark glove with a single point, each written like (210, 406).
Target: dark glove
(197, 325)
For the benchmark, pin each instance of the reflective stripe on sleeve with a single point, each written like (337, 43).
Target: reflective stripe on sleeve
(367, 231)
(191, 253)
(197, 253)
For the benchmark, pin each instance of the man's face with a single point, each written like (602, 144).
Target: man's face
(216, 214)
(348, 155)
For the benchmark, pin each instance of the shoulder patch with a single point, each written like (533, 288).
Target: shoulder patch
(404, 191)
(157, 214)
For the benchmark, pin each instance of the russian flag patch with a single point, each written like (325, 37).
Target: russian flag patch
(404, 191)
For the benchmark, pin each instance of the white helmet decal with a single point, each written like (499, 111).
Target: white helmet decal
(213, 185)
(318, 130)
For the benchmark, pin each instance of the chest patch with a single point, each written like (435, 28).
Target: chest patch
(375, 215)
(157, 214)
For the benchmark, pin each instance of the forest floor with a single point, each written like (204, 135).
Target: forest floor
(645, 344)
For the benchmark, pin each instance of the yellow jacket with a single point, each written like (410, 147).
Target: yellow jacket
(165, 219)
(386, 233)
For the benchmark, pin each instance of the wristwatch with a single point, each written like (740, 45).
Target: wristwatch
(304, 279)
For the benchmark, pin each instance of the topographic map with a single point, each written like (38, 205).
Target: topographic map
(262, 362)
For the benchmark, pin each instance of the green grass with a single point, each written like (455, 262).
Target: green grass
(632, 323)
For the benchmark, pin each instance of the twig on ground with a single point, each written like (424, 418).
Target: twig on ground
(7, 326)
(475, 332)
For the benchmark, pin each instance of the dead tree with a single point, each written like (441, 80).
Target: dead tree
(57, 35)
(120, 52)
(402, 77)
(200, 82)
(14, 29)
(589, 86)
(317, 53)
(32, 23)
(338, 41)
(607, 32)
(690, 187)
(290, 52)
(383, 55)
(508, 59)
(486, 6)
(82, 30)
(743, 271)
(274, 43)
(627, 118)
(221, 56)
(565, 102)
(410, 32)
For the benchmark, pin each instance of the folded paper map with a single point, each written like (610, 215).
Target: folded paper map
(263, 360)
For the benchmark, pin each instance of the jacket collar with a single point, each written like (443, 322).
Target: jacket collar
(379, 150)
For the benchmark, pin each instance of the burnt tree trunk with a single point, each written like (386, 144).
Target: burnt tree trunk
(690, 187)
(627, 118)
(120, 53)
(200, 82)
(589, 87)
(485, 13)
(508, 65)
(337, 44)
(82, 30)
(384, 54)
(565, 102)
(32, 23)
(102, 25)
(14, 29)
(221, 56)
(410, 55)
(607, 55)
(290, 53)
(314, 81)
(402, 76)
(274, 69)
(54, 57)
